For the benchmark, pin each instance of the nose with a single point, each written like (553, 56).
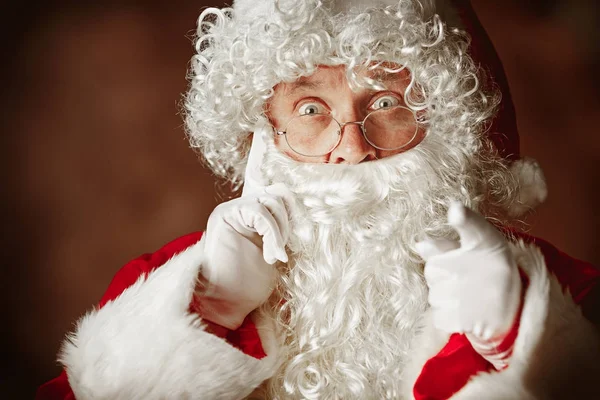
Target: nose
(353, 148)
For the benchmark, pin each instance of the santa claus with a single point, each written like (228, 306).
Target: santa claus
(373, 253)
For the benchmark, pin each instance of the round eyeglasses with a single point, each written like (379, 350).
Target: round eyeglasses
(315, 135)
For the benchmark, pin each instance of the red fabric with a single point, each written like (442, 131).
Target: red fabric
(447, 372)
(56, 389)
(145, 264)
(503, 132)
(245, 338)
(579, 277)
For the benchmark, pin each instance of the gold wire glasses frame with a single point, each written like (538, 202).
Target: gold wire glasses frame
(312, 135)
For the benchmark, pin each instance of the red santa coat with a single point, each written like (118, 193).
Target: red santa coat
(145, 341)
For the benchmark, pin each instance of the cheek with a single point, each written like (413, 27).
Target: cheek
(418, 139)
(282, 146)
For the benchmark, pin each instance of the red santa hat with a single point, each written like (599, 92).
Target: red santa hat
(503, 131)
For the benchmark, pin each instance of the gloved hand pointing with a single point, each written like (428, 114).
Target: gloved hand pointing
(244, 238)
(474, 284)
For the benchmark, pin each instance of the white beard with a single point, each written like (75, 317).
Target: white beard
(353, 291)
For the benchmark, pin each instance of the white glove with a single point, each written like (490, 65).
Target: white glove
(243, 238)
(474, 285)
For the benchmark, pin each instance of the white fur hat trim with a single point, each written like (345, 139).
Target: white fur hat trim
(532, 184)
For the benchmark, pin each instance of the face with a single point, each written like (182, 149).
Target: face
(327, 93)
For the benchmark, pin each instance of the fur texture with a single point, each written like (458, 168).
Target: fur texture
(145, 345)
(533, 189)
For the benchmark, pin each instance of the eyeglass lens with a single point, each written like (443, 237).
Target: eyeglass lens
(318, 134)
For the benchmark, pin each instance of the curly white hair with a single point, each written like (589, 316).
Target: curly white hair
(245, 51)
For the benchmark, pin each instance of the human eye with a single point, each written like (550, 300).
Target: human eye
(386, 101)
(311, 108)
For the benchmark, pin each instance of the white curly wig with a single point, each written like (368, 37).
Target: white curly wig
(244, 51)
(353, 287)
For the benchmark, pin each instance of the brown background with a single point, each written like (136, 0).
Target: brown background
(97, 169)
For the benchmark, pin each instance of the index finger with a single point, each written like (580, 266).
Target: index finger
(254, 181)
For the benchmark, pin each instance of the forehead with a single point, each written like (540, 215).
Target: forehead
(334, 77)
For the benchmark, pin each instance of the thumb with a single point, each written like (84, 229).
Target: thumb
(472, 227)
(434, 247)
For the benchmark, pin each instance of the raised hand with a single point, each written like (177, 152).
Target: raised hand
(474, 284)
(243, 239)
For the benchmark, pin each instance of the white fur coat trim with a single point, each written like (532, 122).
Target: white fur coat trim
(556, 354)
(145, 345)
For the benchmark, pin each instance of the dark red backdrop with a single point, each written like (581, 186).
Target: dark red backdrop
(97, 169)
